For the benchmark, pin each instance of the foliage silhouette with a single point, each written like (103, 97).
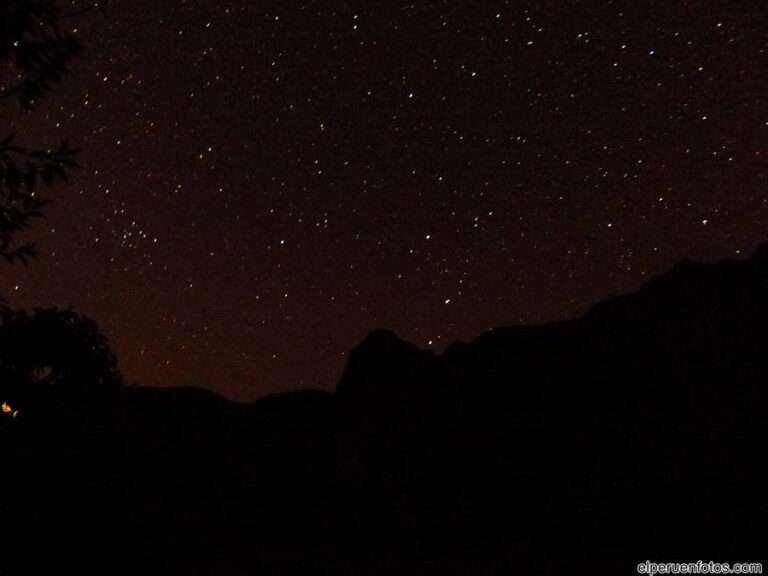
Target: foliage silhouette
(39, 48)
(20, 170)
(52, 349)
(37, 51)
(47, 348)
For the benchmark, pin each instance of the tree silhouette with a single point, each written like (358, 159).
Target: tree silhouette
(37, 47)
(20, 170)
(35, 51)
(46, 348)
(49, 349)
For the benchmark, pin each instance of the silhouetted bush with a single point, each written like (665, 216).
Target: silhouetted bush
(52, 349)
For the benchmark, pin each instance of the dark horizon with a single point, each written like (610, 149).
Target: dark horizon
(632, 435)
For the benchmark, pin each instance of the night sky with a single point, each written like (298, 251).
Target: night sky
(263, 183)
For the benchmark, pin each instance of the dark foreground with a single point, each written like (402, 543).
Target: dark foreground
(638, 432)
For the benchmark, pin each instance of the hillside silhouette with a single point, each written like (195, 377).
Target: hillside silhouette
(636, 432)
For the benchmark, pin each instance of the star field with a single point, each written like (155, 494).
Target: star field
(262, 183)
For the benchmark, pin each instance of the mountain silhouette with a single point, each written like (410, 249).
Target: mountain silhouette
(636, 432)
(384, 365)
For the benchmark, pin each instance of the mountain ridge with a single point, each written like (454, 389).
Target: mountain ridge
(690, 296)
(635, 432)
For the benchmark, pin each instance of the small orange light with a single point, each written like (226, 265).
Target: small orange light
(6, 408)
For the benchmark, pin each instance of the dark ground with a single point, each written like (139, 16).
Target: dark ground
(636, 432)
